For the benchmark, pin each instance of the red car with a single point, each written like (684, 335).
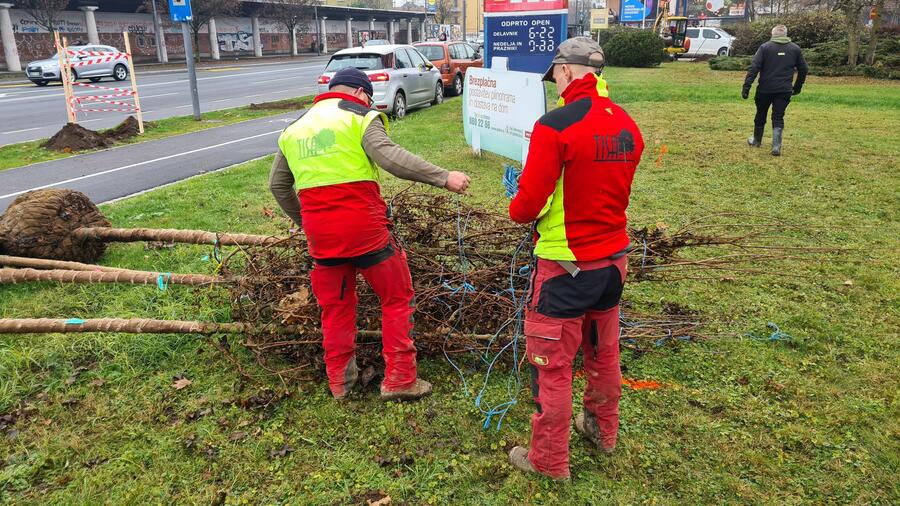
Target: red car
(452, 59)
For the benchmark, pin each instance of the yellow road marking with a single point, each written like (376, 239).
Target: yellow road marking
(15, 85)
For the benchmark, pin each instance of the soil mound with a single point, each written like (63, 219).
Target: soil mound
(74, 137)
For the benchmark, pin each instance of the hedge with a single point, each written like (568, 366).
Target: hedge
(634, 48)
(805, 28)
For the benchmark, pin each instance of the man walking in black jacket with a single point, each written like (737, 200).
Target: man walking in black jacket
(775, 62)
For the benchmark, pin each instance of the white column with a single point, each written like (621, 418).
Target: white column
(349, 32)
(323, 34)
(91, 23)
(409, 30)
(391, 31)
(257, 44)
(294, 42)
(371, 28)
(213, 39)
(10, 51)
(422, 25)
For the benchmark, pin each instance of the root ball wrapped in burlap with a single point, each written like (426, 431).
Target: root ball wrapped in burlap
(40, 223)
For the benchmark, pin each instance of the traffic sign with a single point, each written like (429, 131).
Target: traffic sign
(180, 10)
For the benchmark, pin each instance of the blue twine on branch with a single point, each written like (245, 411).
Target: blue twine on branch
(74, 321)
(465, 287)
(162, 281)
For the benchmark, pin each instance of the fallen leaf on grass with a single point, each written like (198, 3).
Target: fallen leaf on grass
(281, 452)
(74, 377)
(97, 383)
(70, 402)
(200, 413)
(384, 501)
(237, 436)
(182, 383)
(268, 212)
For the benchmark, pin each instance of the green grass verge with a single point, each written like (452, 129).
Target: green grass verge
(26, 153)
(813, 420)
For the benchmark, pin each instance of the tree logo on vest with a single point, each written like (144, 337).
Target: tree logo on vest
(316, 145)
(614, 148)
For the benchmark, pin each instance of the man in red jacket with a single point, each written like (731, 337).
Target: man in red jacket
(575, 185)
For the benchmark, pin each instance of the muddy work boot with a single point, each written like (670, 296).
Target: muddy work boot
(587, 427)
(518, 457)
(755, 140)
(776, 141)
(417, 390)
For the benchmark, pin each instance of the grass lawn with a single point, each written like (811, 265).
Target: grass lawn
(26, 153)
(815, 419)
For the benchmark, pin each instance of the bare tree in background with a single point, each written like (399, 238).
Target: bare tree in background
(873, 37)
(202, 11)
(852, 10)
(293, 14)
(442, 11)
(44, 12)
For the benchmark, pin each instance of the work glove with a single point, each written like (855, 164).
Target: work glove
(797, 90)
(745, 93)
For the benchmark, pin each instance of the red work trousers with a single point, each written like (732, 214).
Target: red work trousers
(566, 314)
(335, 289)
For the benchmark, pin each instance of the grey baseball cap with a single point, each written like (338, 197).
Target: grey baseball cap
(577, 51)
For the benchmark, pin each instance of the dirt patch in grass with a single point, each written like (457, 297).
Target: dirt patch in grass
(288, 105)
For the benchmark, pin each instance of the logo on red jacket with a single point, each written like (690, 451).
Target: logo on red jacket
(614, 148)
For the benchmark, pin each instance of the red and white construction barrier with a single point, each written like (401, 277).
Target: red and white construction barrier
(101, 59)
(76, 103)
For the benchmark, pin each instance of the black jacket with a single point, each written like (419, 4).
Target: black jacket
(775, 63)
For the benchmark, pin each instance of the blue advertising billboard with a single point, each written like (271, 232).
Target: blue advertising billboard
(632, 10)
(528, 41)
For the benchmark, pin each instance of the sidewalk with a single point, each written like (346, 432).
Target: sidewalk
(145, 68)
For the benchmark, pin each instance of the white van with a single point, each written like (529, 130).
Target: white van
(709, 41)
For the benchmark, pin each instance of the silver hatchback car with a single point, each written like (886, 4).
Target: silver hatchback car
(401, 77)
(111, 64)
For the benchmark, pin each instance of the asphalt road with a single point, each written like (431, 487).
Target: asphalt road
(126, 170)
(28, 112)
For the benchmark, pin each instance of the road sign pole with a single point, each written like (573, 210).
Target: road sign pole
(192, 71)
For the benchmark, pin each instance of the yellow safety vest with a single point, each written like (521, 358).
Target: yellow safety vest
(324, 146)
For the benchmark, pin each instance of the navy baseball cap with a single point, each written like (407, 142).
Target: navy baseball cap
(352, 77)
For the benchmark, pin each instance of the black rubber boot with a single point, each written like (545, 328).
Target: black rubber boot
(756, 139)
(776, 141)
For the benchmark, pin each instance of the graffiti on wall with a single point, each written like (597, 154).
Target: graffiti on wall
(236, 41)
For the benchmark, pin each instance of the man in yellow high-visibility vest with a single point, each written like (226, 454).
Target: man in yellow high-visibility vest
(331, 155)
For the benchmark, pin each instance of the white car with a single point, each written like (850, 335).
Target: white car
(110, 64)
(401, 77)
(708, 41)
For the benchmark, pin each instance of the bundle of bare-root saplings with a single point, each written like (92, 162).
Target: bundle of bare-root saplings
(470, 269)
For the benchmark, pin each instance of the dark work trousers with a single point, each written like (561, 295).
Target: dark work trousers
(778, 101)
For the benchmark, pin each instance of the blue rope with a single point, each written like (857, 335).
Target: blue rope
(74, 321)
(511, 180)
(776, 335)
(464, 265)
